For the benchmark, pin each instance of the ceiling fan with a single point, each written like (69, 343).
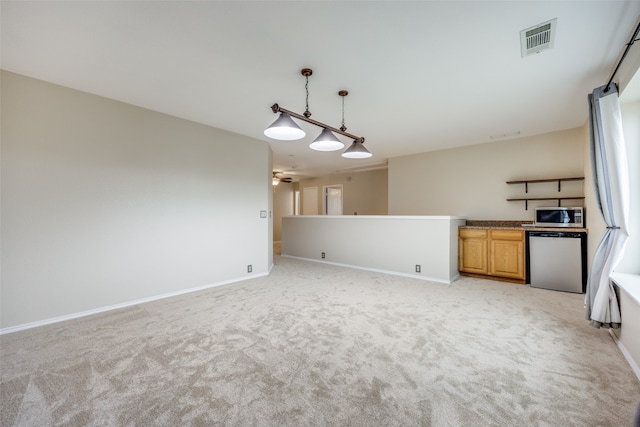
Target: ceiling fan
(276, 179)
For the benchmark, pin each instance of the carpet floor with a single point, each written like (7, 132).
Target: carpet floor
(321, 345)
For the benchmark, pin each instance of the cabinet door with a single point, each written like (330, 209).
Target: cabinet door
(472, 251)
(506, 254)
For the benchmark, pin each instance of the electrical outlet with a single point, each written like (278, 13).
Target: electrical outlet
(249, 268)
(322, 255)
(418, 268)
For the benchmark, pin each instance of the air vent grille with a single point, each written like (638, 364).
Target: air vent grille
(538, 38)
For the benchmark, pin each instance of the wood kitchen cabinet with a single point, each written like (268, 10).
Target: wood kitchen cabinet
(494, 253)
(472, 251)
(506, 254)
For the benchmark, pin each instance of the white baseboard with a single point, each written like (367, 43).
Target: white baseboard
(376, 270)
(126, 304)
(626, 354)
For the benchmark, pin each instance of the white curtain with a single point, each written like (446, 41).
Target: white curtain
(611, 179)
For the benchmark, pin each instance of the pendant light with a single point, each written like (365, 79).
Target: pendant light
(284, 128)
(356, 151)
(326, 141)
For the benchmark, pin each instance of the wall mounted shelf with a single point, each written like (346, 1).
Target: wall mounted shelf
(526, 183)
(559, 199)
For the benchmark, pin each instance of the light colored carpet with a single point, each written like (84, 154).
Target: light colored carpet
(320, 345)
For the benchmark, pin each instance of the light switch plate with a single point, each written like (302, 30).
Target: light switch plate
(263, 214)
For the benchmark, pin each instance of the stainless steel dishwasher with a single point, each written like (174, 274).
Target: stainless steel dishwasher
(556, 260)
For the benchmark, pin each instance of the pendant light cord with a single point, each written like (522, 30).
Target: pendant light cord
(342, 94)
(307, 113)
(343, 127)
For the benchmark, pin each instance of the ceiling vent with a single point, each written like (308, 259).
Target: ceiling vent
(538, 38)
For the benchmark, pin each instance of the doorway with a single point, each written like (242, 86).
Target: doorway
(333, 200)
(296, 202)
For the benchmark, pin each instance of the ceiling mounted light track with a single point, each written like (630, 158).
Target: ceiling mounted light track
(285, 129)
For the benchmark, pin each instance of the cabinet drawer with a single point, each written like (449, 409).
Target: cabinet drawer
(466, 233)
(507, 234)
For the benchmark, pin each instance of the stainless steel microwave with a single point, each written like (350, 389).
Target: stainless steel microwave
(559, 217)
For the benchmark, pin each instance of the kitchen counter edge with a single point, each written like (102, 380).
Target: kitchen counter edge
(526, 228)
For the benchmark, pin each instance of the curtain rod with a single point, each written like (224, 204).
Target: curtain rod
(631, 41)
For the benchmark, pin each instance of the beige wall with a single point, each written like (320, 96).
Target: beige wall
(364, 193)
(104, 203)
(471, 181)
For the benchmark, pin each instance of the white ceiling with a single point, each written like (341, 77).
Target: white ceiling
(421, 75)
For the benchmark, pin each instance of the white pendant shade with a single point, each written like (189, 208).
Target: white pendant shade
(356, 151)
(284, 129)
(326, 141)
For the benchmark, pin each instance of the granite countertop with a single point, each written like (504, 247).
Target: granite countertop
(516, 225)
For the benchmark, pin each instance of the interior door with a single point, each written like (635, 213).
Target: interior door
(333, 200)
